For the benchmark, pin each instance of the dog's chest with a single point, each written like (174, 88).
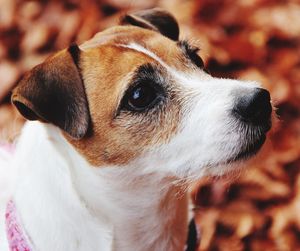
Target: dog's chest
(164, 230)
(106, 215)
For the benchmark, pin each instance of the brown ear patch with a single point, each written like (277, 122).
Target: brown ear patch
(53, 92)
(154, 19)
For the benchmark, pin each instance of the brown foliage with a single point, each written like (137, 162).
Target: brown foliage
(256, 40)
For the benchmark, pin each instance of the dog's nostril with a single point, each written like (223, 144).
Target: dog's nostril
(254, 107)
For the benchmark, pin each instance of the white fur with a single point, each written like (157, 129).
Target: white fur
(209, 133)
(66, 204)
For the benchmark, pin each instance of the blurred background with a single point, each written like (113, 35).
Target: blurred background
(246, 39)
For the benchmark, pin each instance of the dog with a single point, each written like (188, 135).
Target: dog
(118, 126)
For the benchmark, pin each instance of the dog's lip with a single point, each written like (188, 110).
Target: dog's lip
(253, 147)
(250, 150)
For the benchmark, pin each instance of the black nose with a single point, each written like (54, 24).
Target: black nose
(254, 107)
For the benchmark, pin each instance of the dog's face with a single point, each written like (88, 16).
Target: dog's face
(135, 94)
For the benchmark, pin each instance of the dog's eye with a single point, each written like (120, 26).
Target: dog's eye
(141, 96)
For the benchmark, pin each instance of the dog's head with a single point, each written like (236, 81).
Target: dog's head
(136, 94)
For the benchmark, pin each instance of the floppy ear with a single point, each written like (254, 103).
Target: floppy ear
(54, 92)
(154, 19)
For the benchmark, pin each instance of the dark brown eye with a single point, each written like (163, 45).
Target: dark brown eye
(140, 97)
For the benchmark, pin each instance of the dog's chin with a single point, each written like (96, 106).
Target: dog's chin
(233, 165)
(250, 149)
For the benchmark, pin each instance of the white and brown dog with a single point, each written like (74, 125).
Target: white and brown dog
(124, 121)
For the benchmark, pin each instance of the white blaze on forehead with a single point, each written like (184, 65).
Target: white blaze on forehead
(197, 79)
(188, 79)
(145, 51)
(141, 49)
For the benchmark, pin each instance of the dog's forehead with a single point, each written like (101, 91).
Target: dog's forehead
(150, 43)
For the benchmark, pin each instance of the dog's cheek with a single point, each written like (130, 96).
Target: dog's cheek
(129, 136)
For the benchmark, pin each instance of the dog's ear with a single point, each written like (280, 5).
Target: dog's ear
(154, 19)
(54, 92)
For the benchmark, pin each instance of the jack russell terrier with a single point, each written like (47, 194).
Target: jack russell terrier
(120, 126)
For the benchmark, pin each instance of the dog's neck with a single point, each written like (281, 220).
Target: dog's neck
(65, 204)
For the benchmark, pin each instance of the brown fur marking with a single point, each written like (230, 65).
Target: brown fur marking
(107, 70)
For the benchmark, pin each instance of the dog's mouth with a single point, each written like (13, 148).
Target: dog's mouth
(252, 147)
(250, 150)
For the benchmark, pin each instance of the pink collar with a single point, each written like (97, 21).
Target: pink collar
(17, 238)
(9, 148)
